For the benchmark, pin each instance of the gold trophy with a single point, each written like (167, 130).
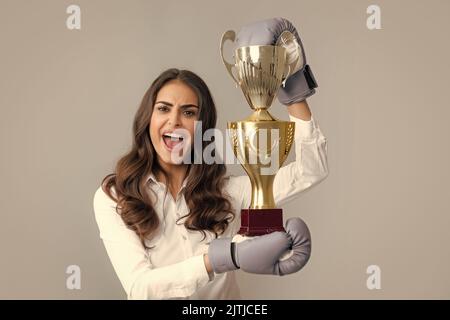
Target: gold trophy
(260, 142)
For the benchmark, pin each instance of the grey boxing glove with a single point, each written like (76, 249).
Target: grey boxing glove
(299, 85)
(261, 254)
(301, 246)
(258, 254)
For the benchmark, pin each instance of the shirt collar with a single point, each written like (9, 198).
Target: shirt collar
(152, 179)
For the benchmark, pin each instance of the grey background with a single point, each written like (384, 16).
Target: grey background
(68, 99)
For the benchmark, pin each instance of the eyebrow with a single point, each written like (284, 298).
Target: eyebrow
(171, 105)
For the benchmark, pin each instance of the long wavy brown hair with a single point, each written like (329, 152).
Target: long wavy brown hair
(209, 208)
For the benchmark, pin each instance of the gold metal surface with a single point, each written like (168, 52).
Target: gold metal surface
(260, 142)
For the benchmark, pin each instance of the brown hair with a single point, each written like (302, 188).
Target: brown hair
(209, 208)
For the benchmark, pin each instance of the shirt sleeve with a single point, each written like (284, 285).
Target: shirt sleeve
(131, 261)
(309, 168)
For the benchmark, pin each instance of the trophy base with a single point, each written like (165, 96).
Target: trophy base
(257, 222)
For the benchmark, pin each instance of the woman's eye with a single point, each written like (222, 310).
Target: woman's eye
(189, 113)
(162, 108)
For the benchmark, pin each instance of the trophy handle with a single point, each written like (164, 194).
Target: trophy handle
(288, 73)
(229, 35)
(285, 38)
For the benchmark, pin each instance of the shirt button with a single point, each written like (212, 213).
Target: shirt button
(184, 237)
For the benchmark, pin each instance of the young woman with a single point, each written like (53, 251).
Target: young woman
(167, 225)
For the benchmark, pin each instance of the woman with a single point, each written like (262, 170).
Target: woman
(170, 235)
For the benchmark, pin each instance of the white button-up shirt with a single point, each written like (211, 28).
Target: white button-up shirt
(174, 268)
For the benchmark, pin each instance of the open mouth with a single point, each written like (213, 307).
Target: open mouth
(171, 140)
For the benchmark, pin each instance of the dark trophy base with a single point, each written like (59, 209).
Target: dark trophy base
(257, 222)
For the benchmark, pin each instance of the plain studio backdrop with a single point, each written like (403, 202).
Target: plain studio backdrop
(68, 98)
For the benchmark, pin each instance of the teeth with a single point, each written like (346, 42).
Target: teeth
(173, 136)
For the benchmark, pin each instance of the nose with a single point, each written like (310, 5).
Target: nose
(174, 119)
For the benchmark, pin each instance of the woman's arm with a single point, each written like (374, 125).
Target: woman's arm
(311, 156)
(300, 110)
(139, 278)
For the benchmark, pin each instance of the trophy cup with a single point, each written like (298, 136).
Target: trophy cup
(260, 71)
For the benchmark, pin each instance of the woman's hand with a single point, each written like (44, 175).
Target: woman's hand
(299, 85)
(261, 254)
(301, 246)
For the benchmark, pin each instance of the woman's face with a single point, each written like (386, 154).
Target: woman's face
(174, 114)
